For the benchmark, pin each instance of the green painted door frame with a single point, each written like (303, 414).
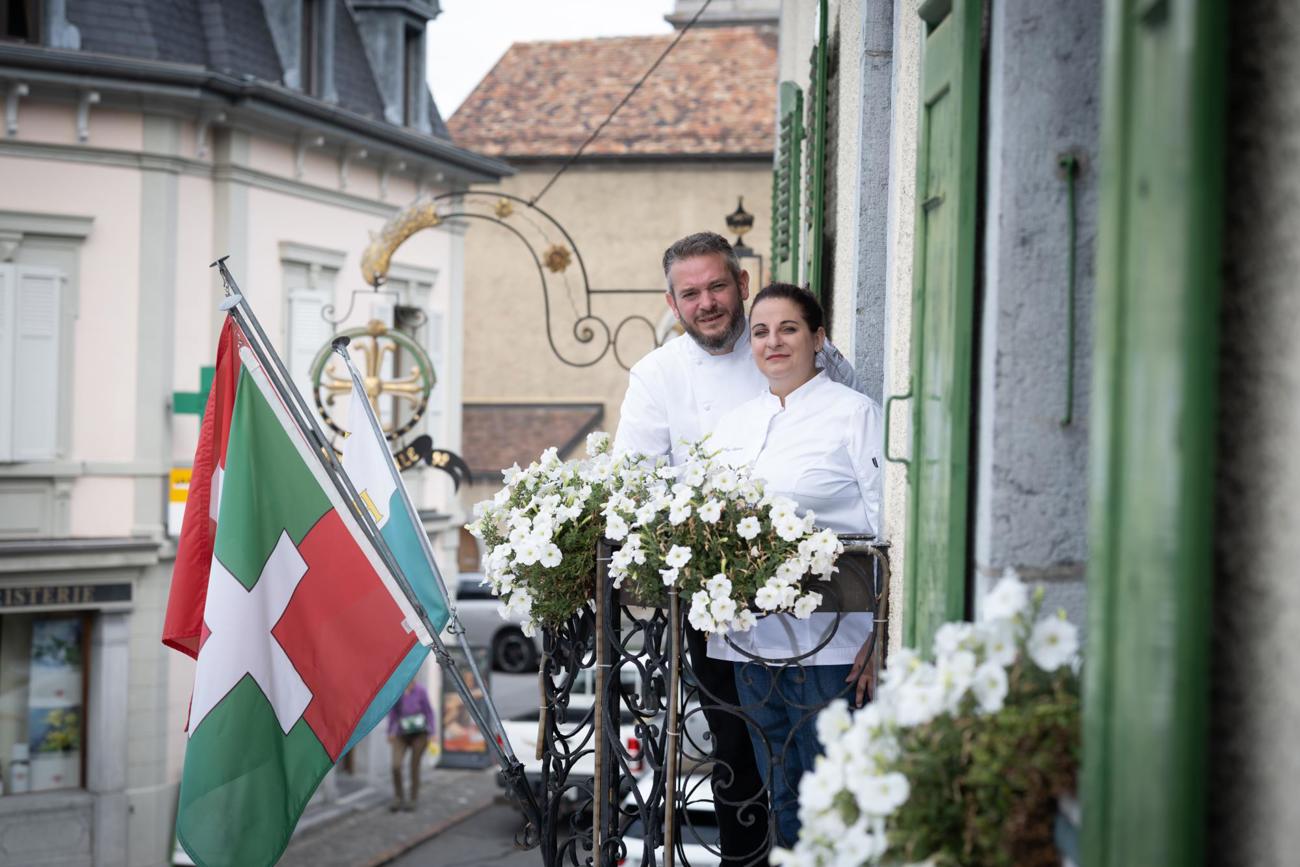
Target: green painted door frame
(943, 292)
(1152, 450)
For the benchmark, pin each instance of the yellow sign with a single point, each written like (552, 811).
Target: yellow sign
(179, 485)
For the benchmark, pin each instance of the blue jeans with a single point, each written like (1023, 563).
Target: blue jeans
(782, 705)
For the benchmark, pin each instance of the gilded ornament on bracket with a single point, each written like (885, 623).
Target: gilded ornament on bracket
(504, 209)
(422, 214)
(557, 258)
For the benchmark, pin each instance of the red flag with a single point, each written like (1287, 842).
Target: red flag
(183, 627)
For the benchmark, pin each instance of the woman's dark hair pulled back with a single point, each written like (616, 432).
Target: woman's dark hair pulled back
(809, 307)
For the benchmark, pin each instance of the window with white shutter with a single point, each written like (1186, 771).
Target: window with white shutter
(30, 336)
(308, 332)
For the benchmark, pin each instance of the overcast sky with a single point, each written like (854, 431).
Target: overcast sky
(470, 36)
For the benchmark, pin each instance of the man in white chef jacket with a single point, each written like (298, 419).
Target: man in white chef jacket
(676, 395)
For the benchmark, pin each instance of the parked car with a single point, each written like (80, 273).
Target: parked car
(480, 613)
(522, 731)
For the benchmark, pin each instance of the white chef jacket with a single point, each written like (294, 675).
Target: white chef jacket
(678, 393)
(823, 450)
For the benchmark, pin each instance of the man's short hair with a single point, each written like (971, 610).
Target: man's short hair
(701, 244)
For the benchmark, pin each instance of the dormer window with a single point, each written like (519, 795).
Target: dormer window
(412, 75)
(19, 20)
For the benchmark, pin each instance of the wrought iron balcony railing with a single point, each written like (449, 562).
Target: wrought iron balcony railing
(656, 767)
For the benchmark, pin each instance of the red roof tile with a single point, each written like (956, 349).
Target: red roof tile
(496, 435)
(714, 94)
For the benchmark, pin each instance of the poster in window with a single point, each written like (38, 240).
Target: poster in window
(54, 704)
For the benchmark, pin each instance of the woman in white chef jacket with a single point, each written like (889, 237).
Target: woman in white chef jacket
(818, 443)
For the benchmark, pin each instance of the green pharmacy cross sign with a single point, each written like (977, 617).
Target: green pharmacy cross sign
(194, 402)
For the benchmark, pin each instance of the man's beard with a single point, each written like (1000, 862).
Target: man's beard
(725, 340)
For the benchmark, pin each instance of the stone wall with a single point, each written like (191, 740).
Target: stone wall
(1041, 105)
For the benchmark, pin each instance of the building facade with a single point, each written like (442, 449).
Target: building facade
(1066, 228)
(142, 141)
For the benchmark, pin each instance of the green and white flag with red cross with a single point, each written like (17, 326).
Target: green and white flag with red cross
(302, 626)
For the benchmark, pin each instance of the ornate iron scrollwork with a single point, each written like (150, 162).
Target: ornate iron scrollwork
(654, 757)
(561, 271)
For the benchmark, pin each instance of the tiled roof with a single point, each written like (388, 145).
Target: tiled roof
(496, 435)
(714, 94)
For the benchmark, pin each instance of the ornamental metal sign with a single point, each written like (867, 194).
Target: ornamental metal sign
(409, 387)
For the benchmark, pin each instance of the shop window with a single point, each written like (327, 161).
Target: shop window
(42, 701)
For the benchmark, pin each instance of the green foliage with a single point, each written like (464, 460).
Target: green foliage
(985, 786)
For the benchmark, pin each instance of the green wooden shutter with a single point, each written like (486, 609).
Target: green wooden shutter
(816, 168)
(785, 184)
(942, 319)
(1149, 572)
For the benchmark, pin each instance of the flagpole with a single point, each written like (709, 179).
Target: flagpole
(237, 305)
(454, 625)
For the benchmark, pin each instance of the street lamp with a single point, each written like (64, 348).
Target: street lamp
(741, 221)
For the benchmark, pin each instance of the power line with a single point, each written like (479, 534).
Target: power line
(622, 102)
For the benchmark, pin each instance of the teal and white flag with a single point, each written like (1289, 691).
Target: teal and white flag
(369, 465)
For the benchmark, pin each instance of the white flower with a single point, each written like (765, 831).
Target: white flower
(833, 722)
(700, 619)
(768, 597)
(956, 672)
(646, 514)
(782, 508)
(919, 699)
(678, 513)
(678, 556)
(694, 475)
(511, 474)
(528, 552)
(710, 512)
(723, 609)
(1053, 643)
(597, 443)
(806, 605)
(551, 556)
(1000, 642)
(990, 687)
(718, 586)
(880, 795)
(744, 621)
(818, 787)
(1008, 598)
(726, 481)
(787, 526)
(615, 527)
(951, 637)
(669, 576)
(823, 566)
(748, 528)
(789, 571)
(700, 599)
